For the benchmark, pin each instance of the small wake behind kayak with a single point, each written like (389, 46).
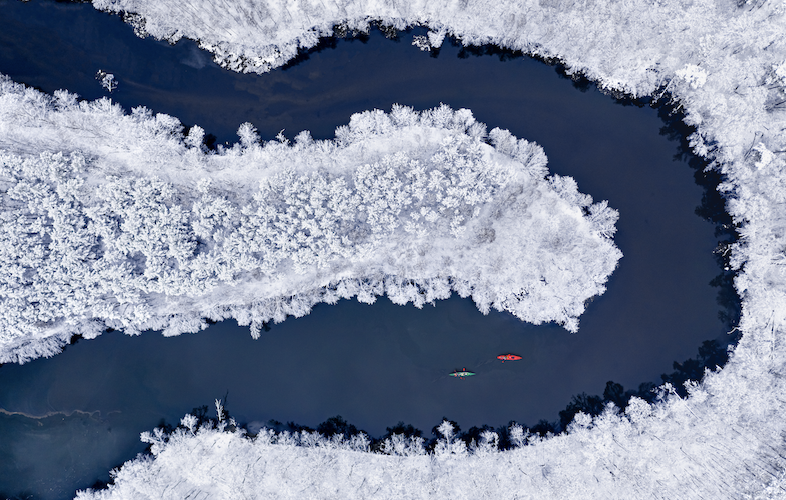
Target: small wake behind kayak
(508, 357)
(462, 374)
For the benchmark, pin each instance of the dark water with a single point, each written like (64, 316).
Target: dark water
(71, 418)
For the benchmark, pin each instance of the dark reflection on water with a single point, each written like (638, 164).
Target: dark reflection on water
(374, 365)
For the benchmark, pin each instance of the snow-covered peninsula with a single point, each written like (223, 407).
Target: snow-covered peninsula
(724, 62)
(121, 221)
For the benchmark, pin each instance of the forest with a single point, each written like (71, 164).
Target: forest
(123, 222)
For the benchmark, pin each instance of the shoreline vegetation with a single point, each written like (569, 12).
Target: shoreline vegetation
(724, 65)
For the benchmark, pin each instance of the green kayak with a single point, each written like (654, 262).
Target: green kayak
(461, 374)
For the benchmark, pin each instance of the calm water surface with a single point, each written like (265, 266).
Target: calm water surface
(69, 419)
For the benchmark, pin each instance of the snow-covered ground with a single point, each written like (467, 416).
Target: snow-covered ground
(115, 220)
(675, 450)
(724, 61)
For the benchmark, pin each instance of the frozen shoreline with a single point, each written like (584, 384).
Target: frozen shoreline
(724, 62)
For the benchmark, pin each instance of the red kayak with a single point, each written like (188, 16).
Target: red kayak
(508, 357)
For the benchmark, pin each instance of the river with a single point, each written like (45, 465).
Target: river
(65, 421)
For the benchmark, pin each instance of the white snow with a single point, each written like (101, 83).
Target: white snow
(644, 454)
(723, 61)
(114, 220)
